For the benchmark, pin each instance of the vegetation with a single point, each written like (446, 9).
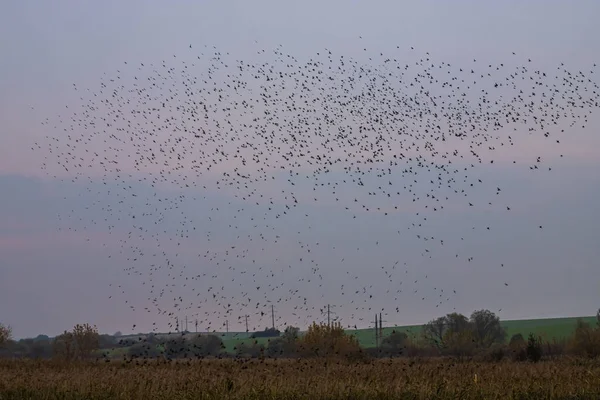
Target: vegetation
(457, 335)
(78, 344)
(482, 336)
(299, 379)
(586, 340)
(395, 344)
(451, 357)
(286, 345)
(5, 334)
(323, 340)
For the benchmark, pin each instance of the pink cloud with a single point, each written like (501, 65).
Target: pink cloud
(51, 240)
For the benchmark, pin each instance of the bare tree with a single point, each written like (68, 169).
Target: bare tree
(87, 339)
(434, 331)
(487, 328)
(80, 343)
(5, 333)
(64, 346)
(437, 330)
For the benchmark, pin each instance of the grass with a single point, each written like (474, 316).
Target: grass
(232, 344)
(551, 328)
(547, 328)
(305, 379)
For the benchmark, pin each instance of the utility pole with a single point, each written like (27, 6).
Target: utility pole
(273, 316)
(329, 312)
(176, 324)
(381, 321)
(227, 326)
(186, 324)
(376, 333)
(246, 324)
(196, 326)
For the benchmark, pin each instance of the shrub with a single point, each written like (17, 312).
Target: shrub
(534, 348)
(494, 353)
(394, 344)
(328, 341)
(250, 350)
(517, 348)
(554, 349)
(459, 344)
(176, 347)
(205, 345)
(517, 340)
(144, 350)
(586, 340)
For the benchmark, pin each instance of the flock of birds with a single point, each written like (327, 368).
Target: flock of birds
(230, 185)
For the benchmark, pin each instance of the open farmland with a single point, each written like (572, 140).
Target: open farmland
(296, 200)
(551, 328)
(305, 379)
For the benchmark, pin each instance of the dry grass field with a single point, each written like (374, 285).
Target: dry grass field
(303, 379)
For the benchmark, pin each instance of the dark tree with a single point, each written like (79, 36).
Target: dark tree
(205, 345)
(434, 331)
(487, 329)
(395, 343)
(440, 328)
(251, 350)
(534, 348)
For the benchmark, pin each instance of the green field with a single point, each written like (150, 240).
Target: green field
(550, 328)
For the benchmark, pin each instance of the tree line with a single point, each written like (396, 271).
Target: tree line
(454, 335)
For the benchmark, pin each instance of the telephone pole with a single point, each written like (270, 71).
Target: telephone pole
(227, 326)
(246, 324)
(186, 324)
(329, 313)
(376, 333)
(196, 326)
(381, 321)
(273, 315)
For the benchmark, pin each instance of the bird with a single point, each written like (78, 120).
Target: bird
(213, 179)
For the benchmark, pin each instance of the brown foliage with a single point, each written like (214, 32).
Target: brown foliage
(305, 379)
(328, 341)
(80, 343)
(459, 344)
(586, 340)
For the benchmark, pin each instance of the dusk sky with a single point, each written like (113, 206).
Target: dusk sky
(55, 272)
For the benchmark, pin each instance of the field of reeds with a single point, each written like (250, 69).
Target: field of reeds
(300, 379)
